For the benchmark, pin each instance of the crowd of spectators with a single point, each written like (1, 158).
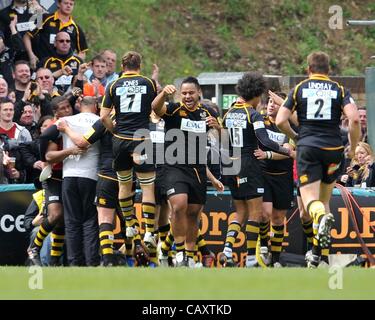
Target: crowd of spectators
(37, 64)
(40, 63)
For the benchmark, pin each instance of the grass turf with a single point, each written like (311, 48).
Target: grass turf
(175, 284)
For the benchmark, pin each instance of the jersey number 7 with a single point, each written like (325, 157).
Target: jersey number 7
(130, 103)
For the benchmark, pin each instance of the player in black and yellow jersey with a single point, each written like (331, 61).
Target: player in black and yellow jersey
(131, 96)
(319, 103)
(278, 187)
(166, 238)
(186, 124)
(162, 213)
(246, 127)
(52, 24)
(161, 223)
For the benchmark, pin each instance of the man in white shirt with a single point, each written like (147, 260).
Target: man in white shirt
(78, 192)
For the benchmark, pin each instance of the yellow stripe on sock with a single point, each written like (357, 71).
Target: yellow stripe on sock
(43, 231)
(57, 236)
(165, 247)
(251, 244)
(105, 233)
(58, 244)
(234, 227)
(55, 253)
(181, 248)
(276, 248)
(107, 251)
(106, 241)
(316, 210)
(202, 243)
(128, 203)
(148, 209)
(250, 228)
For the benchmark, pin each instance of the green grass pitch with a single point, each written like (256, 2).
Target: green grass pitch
(174, 284)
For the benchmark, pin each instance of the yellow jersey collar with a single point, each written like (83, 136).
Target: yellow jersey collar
(130, 74)
(239, 105)
(63, 24)
(317, 76)
(191, 110)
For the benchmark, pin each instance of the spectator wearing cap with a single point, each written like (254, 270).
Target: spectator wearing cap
(63, 64)
(52, 24)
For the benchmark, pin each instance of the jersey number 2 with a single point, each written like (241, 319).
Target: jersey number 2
(319, 109)
(319, 102)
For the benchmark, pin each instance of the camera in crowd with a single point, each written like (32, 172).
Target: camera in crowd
(356, 167)
(4, 142)
(33, 98)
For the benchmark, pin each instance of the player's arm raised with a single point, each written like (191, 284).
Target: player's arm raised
(158, 105)
(282, 122)
(285, 114)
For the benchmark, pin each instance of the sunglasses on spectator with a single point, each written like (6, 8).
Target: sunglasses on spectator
(63, 40)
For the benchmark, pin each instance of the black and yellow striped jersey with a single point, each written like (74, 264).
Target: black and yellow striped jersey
(58, 62)
(98, 132)
(157, 136)
(275, 166)
(242, 120)
(131, 95)
(52, 25)
(192, 124)
(6, 16)
(319, 102)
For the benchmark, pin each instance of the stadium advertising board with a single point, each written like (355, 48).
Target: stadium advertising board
(217, 212)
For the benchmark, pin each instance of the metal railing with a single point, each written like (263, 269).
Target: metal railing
(360, 23)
